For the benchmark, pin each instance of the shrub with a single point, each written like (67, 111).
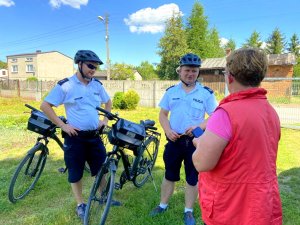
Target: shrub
(127, 100)
(118, 102)
(32, 79)
(131, 99)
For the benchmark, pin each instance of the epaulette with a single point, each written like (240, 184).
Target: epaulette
(170, 87)
(61, 82)
(209, 90)
(98, 81)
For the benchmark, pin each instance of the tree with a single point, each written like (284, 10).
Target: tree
(254, 41)
(294, 45)
(297, 68)
(275, 43)
(230, 45)
(147, 71)
(122, 71)
(3, 65)
(214, 49)
(171, 47)
(197, 31)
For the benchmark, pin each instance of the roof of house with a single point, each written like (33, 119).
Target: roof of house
(273, 59)
(36, 53)
(282, 59)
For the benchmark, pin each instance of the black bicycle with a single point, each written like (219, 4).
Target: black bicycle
(32, 165)
(143, 141)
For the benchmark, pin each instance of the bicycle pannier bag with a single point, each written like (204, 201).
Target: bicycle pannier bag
(39, 123)
(127, 134)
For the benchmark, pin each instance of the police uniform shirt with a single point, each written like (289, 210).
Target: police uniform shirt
(188, 109)
(80, 101)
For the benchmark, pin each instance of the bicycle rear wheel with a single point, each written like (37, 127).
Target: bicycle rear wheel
(28, 172)
(145, 161)
(99, 203)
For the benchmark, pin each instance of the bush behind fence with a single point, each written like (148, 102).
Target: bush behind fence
(283, 93)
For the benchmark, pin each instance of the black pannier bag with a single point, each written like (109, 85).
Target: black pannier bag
(127, 134)
(39, 123)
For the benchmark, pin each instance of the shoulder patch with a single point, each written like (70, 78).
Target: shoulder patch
(61, 82)
(170, 87)
(98, 81)
(209, 90)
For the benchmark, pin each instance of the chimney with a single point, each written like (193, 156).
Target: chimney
(228, 51)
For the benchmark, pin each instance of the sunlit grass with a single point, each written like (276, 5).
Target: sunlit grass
(52, 202)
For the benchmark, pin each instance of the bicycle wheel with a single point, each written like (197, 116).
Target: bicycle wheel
(99, 203)
(28, 172)
(145, 161)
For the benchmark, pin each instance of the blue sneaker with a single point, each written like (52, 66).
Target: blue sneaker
(157, 210)
(80, 211)
(189, 218)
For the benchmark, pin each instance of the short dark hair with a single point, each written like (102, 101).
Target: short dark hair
(248, 66)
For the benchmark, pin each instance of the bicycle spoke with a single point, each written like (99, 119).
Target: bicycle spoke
(27, 174)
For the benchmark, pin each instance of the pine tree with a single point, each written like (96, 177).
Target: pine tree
(275, 43)
(294, 45)
(254, 41)
(197, 31)
(230, 45)
(172, 46)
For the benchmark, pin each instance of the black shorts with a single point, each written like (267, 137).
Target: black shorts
(174, 154)
(78, 150)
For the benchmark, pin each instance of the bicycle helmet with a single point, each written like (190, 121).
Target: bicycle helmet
(190, 59)
(86, 55)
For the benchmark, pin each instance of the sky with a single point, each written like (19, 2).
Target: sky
(134, 26)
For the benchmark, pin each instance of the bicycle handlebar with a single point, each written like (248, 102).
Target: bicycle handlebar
(36, 110)
(148, 124)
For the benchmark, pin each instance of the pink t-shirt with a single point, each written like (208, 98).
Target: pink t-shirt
(219, 124)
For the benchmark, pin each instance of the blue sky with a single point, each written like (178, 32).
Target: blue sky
(135, 26)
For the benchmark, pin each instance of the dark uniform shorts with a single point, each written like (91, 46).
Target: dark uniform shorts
(78, 150)
(174, 154)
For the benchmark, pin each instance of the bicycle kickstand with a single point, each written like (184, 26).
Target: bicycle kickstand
(153, 181)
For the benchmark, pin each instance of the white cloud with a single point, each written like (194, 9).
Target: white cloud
(73, 3)
(149, 20)
(7, 3)
(263, 45)
(223, 41)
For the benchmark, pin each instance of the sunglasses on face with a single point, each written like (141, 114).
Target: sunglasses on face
(91, 66)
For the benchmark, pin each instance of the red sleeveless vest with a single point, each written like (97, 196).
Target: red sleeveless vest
(243, 188)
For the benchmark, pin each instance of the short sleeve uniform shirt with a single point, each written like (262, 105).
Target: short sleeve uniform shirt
(188, 109)
(80, 101)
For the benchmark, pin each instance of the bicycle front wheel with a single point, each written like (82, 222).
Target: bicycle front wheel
(27, 173)
(101, 195)
(145, 161)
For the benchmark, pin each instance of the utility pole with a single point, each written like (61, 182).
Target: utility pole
(106, 21)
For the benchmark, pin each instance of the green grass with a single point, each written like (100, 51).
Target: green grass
(52, 202)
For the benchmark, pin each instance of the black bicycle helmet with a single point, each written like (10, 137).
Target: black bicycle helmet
(86, 55)
(190, 59)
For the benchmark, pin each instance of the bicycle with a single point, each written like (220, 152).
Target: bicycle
(32, 165)
(124, 135)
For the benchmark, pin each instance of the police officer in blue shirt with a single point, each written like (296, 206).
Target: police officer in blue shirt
(80, 94)
(187, 103)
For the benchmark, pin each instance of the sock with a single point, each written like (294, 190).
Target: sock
(161, 205)
(188, 210)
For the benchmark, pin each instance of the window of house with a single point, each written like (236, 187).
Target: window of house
(29, 68)
(29, 59)
(3, 73)
(14, 68)
(14, 60)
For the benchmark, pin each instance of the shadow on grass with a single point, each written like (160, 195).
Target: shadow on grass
(289, 183)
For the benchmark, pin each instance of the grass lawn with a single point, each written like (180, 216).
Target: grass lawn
(51, 202)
